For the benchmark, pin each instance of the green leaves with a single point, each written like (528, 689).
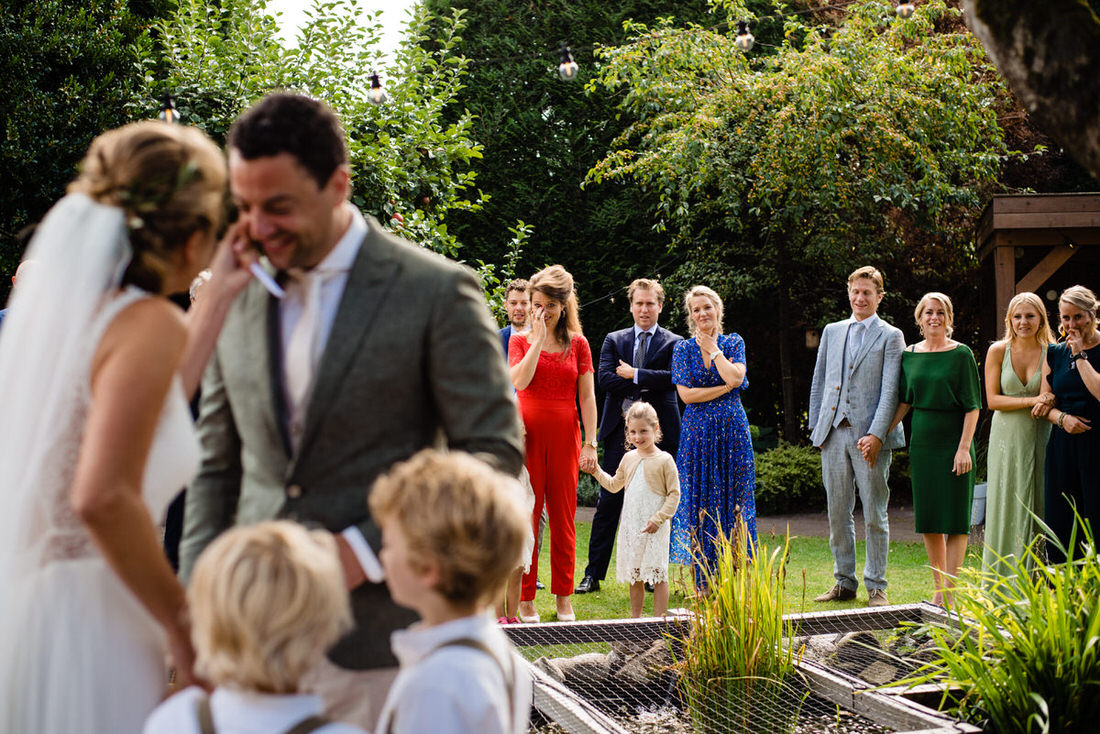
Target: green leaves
(1028, 658)
(410, 165)
(68, 70)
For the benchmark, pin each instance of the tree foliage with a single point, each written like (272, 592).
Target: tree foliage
(410, 166)
(541, 136)
(780, 172)
(68, 70)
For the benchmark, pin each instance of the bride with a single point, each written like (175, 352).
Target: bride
(95, 435)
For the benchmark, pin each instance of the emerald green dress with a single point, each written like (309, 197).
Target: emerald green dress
(1017, 454)
(940, 388)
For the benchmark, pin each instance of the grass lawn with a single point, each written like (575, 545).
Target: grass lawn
(810, 572)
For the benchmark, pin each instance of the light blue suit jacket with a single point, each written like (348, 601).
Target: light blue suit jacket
(870, 389)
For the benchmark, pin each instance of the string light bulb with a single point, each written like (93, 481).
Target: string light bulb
(377, 94)
(905, 10)
(744, 40)
(567, 69)
(168, 112)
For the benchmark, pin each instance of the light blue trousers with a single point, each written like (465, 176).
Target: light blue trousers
(844, 472)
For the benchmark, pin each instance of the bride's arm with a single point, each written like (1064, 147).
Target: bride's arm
(207, 314)
(133, 369)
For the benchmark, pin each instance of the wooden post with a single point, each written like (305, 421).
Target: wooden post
(1004, 273)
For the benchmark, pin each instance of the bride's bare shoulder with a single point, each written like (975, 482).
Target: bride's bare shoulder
(149, 330)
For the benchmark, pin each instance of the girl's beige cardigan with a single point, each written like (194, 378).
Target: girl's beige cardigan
(660, 475)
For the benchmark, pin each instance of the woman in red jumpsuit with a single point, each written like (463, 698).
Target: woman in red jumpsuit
(551, 368)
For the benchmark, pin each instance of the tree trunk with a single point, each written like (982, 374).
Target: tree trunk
(786, 373)
(1048, 52)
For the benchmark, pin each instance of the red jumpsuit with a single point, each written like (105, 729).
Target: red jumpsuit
(549, 409)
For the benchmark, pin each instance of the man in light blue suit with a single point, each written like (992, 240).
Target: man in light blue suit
(854, 394)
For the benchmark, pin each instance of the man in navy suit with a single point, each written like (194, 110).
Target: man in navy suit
(635, 364)
(516, 302)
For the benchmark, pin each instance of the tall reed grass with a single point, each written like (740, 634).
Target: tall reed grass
(734, 666)
(1027, 657)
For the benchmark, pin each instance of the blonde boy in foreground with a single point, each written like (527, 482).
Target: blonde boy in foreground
(266, 601)
(451, 534)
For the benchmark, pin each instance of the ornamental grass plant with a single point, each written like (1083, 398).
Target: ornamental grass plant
(734, 667)
(1027, 660)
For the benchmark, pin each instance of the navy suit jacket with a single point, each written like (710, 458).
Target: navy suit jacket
(505, 337)
(654, 384)
(2, 315)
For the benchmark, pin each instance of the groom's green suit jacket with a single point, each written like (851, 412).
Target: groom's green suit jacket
(413, 360)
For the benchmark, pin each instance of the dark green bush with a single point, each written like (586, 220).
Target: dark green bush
(788, 479)
(588, 490)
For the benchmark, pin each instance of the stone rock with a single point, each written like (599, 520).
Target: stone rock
(642, 668)
(856, 648)
(879, 673)
(814, 648)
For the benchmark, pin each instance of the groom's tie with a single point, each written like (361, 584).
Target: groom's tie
(302, 350)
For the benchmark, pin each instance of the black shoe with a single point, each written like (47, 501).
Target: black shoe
(539, 585)
(649, 587)
(587, 585)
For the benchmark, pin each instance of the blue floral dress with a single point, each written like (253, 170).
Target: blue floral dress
(715, 459)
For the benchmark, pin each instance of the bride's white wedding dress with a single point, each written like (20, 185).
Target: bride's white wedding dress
(82, 655)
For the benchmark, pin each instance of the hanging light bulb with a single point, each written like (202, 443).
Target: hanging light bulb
(376, 95)
(567, 69)
(744, 40)
(168, 112)
(905, 10)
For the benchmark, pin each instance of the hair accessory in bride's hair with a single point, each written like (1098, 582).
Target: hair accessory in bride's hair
(145, 197)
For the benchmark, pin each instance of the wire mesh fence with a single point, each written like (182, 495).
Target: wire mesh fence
(626, 676)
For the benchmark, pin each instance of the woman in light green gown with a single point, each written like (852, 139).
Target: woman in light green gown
(1017, 441)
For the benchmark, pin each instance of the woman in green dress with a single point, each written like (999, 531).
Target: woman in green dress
(939, 381)
(1017, 440)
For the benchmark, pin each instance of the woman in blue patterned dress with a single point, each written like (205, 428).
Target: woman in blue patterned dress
(715, 459)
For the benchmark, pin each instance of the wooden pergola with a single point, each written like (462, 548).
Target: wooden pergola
(1028, 238)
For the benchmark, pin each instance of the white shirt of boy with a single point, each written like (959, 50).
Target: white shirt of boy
(240, 712)
(456, 690)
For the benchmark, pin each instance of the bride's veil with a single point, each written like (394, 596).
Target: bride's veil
(77, 255)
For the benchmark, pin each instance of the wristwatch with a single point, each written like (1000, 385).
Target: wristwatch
(591, 443)
(714, 354)
(1080, 355)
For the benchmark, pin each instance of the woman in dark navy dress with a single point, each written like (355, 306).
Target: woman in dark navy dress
(1072, 374)
(715, 459)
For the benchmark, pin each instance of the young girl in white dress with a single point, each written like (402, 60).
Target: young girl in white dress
(652, 495)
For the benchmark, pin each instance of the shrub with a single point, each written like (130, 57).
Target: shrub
(788, 479)
(588, 490)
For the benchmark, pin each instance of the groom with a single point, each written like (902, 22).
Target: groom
(378, 349)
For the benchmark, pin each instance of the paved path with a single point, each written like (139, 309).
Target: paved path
(815, 524)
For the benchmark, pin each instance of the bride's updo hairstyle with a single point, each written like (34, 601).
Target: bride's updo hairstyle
(169, 179)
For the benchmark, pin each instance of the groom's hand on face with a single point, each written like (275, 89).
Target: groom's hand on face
(353, 572)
